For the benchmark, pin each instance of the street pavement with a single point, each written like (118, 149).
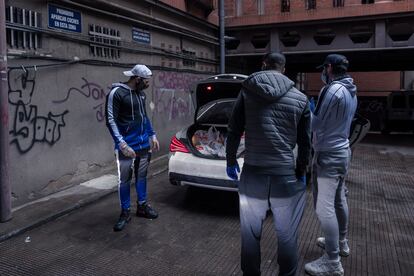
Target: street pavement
(197, 232)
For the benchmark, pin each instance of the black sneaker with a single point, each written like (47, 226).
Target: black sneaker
(145, 210)
(124, 218)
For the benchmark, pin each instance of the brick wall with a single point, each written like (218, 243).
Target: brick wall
(368, 83)
(324, 10)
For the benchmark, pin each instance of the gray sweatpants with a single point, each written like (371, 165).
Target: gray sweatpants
(285, 196)
(328, 175)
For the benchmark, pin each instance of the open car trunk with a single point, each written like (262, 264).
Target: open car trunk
(208, 135)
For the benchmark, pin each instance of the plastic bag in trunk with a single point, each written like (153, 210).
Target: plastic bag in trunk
(213, 143)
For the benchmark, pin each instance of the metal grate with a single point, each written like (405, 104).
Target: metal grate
(104, 42)
(17, 35)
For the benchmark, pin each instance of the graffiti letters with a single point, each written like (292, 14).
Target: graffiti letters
(21, 85)
(89, 90)
(172, 94)
(28, 127)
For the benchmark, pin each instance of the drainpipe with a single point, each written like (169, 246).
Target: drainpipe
(5, 191)
(222, 43)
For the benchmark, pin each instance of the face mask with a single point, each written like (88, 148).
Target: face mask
(325, 77)
(141, 85)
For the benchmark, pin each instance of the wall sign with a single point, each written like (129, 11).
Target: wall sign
(141, 36)
(64, 19)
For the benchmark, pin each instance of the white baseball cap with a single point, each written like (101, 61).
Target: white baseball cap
(139, 70)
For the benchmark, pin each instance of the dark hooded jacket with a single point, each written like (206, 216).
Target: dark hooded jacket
(126, 117)
(275, 116)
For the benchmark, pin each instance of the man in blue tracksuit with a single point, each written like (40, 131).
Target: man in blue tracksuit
(331, 123)
(131, 130)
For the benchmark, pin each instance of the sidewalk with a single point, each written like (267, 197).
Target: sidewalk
(38, 212)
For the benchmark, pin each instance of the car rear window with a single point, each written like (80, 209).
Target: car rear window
(218, 112)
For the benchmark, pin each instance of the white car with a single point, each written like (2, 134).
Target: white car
(193, 164)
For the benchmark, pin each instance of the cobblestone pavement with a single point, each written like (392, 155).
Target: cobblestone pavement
(197, 232)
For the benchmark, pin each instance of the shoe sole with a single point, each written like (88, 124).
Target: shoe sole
(341, 253)
(326, 274)
(118, 230)
(143, 216)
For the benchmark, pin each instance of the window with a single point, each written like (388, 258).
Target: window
(105, 42)
(285, 6)
(188, 60)
(239, 7)
(310, 4)
(368, 1)
(260, 7)
(17, 38)
(338, 3)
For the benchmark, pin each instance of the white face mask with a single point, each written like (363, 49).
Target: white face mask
(325, 77)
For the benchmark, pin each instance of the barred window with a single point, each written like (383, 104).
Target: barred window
(310, 4)
(104, 42)
(368, 1)
(189, 61)
(338, 3)
(26, 37)
(285, 6)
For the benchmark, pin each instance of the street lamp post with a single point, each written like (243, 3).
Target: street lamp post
(222, 42)
(5, 190)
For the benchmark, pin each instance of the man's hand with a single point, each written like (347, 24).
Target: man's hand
(155, 145)
(301, 176)
(302, 179)
(232, 171)
(312, 105)
(127, 150)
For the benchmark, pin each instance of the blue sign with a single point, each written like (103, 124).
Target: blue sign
(141, 36)
(65, 19)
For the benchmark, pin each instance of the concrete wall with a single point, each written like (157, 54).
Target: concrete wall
(58, 136)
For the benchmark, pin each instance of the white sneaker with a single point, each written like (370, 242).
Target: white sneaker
(344, 250)
(325, 267)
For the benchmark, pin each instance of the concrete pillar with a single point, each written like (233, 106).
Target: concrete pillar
(380, 34)
(274, 40)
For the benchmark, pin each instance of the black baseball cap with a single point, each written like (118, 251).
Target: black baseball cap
(335, 60)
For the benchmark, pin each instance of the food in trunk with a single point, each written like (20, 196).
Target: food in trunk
(212, 142)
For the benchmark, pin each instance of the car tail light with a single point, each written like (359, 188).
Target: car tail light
(177, 146)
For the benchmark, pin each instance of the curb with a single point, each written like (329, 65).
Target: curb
(79, 204)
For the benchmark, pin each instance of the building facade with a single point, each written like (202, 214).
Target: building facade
(63, 57)
(375, 35)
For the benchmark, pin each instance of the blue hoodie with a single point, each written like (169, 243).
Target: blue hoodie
(126, 117)
(331, 121)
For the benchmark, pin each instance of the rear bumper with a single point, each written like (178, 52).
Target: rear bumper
(218, 184)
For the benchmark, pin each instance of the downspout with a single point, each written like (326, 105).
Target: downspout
(5, 189)
(222, 43)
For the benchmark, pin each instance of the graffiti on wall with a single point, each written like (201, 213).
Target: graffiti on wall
(172, 94)
(371, 105)
(28, 127)
(89, 90)
(372, 108)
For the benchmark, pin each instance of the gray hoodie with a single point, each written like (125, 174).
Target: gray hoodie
(331, 121)
(275, 117)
